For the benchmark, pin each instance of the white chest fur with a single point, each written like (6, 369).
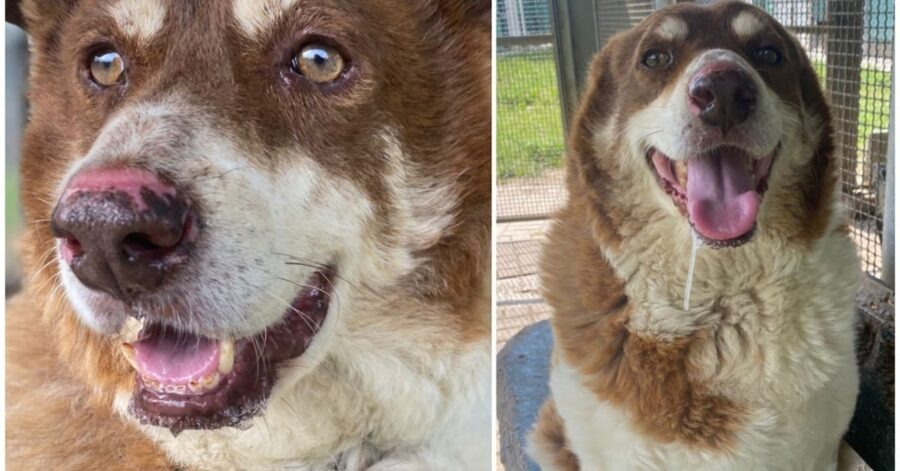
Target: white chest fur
(775, 334)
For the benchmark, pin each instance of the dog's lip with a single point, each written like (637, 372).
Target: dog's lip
(672, 176)
(232, 387)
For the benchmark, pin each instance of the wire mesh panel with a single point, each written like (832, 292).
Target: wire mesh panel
(850, 43)
(616, 16)
(529, 123)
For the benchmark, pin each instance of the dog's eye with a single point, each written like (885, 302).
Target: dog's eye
(107, 68)
(319, 63)
(767, 55)
(654, 58)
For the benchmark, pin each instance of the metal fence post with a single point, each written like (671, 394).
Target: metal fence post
(887, 236)
(565, 62)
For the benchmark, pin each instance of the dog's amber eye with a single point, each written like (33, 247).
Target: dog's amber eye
(107, 68)
(654, 58)
(319, 63)
(767, 55)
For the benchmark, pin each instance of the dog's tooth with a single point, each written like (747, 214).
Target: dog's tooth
(128, 353)
(210, 381)
(681, 173)
(131, 329)
(226, 356)
(195, 387)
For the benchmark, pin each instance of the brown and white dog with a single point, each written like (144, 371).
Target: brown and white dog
(278, 212)
(703, 122)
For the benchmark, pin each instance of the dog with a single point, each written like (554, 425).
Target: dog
(702, 126)
(258, 237)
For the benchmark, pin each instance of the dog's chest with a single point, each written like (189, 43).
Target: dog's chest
(758, 324)
(773, 334)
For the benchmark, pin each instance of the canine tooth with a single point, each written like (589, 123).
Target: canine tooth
(226, 356)
(195, 387)
(128, 353)
(131, 329)
(681, 173)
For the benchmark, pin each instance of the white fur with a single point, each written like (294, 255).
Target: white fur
(426, 205)
(746, 25)
(385, 382)
(371, 408)
(672, 29)
(782, 314)
(254, 16)
(138, 18)
(790, 357)
(665, 124)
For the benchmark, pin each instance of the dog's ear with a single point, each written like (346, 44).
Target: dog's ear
(598, 105)
(36, 16)
(811, 92)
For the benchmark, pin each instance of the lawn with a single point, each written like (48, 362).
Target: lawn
(529, 123)
(529, 127)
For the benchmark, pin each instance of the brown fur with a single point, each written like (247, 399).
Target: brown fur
(43, 401)
(549, 435)
(420, 65)
(652, 378)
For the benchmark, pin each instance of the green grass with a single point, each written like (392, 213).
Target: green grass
(529, 123)
(874, 101)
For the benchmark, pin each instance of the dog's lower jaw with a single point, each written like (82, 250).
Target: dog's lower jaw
(334, 413)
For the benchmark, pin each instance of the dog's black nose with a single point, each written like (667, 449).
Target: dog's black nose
(722, 97)
(122, 230)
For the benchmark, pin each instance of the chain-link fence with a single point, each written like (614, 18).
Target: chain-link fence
(529, 119)
(850, 43)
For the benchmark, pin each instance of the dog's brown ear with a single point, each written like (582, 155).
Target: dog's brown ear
(36, 16)
(598, 105)
(811, 92)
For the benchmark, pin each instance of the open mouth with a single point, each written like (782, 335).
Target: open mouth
(720, 191)
(187, 381)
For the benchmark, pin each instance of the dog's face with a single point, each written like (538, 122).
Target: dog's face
(709, 112)
(222, 186)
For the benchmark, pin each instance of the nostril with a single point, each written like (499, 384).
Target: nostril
(702, 96)
(155, 245)
(70, 248)
(139, 247)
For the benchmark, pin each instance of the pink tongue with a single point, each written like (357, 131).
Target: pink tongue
(721, 198)
(176, 359)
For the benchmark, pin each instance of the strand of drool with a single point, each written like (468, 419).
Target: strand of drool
(695, 244)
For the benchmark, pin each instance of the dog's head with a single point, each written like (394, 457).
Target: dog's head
(708, 118)
(220, 188)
